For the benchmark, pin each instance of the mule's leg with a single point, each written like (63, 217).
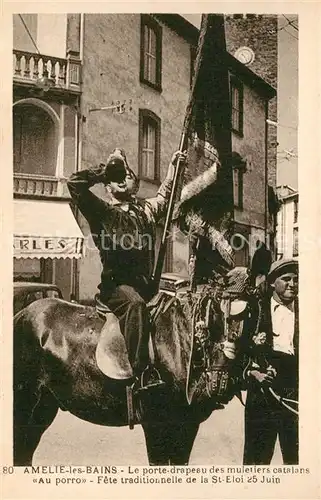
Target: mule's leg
(157, 437)
(34, 411)
(182, 437)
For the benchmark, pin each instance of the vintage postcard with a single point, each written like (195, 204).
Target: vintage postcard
(159, 256)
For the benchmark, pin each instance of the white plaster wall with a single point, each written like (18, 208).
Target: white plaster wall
(51, 34)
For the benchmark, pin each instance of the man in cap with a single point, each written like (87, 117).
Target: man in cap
(123, 229)
(273, 369)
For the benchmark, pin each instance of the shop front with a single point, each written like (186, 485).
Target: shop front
(47, 244)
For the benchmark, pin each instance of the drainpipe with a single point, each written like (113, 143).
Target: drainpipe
(78, 139)
(78, 135)
(81, 37)
(266, 177)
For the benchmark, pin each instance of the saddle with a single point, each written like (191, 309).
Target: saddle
(111, 352)
(112, 359)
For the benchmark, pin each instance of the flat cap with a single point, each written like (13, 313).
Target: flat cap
(282, 266)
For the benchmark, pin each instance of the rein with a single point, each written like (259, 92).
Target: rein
(284, 401)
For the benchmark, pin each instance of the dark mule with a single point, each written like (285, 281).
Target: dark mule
(55, 367)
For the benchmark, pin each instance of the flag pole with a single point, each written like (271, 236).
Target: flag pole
(162, 249)
(203, 34)
(188, 115)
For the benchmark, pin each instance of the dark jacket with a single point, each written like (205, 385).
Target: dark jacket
(264, 355)
(124, 233)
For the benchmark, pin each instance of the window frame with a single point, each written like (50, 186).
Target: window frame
(145, 115)
(193, 53)
(50, 141)
(239, 201)
(150, 23)
(17, 124)
(295, 243)
(242, 255)
(295, 211)
(236, 84)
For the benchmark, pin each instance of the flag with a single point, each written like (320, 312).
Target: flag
(207, 132)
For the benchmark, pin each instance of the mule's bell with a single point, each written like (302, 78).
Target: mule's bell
(235, 307)
(229, 349)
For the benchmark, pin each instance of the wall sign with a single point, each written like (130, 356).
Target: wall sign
(51, 247)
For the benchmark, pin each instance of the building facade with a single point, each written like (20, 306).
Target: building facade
(127, 86)
(287, 235)
(253, 40)
(154, 72)
(138, 58)
(46, 93)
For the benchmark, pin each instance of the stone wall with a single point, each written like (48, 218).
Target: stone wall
(252, 149)
(259, 32)
(111, 69)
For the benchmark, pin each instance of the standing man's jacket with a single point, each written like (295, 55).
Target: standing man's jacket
(264, 355)
(123, 232)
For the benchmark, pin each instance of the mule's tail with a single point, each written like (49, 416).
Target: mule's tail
(34, 408)
(26, 349)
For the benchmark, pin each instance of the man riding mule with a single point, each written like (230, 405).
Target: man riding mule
(123, 230)
(194, 343)
(61, 348)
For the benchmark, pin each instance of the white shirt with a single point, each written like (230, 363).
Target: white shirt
(283, 327)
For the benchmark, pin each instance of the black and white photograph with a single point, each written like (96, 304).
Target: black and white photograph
(156, 277)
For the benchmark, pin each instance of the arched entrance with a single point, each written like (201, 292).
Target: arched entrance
(35, 138)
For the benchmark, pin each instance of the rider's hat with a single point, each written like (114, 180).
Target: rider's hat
(282, 266)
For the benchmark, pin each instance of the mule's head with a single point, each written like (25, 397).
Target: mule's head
(235, 298)
(226, 313)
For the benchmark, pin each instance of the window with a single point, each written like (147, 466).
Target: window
(53, 294)
(240, 246)
(193, 61)
(295, 212)
(237, 106)
(238, 187)
(35, 145)
(34, 270)
(149, 145)
(151, 52)
(295, 242)
(27, 269)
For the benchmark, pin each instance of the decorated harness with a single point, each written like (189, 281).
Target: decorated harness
(217, 312)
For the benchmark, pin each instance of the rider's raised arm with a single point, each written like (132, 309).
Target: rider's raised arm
(159, 203)
(79, 185)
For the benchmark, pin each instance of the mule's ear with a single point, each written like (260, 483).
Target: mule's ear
(261, 261)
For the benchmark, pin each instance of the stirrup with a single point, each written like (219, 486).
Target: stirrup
(132, 412)
(156, 381)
